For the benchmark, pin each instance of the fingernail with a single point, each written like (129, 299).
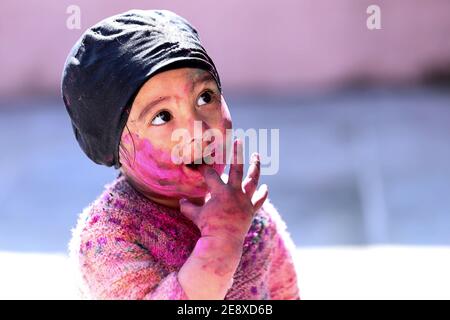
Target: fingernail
(255, 157)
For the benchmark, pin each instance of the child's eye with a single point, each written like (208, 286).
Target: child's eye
(161, 118)
(205, 98)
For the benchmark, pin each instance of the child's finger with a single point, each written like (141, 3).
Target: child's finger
(189, 209)
(251, 180)
(212, 178)
(237, 166)
(259, 197)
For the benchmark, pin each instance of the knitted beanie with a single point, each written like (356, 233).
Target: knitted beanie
(111, 61)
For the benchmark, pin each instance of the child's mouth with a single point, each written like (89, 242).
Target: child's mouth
(196, 164)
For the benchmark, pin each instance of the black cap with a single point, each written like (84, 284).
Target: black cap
(111, 61)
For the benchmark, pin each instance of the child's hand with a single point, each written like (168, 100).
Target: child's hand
(223, 221)
(228, 214)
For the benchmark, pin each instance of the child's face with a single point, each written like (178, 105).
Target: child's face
(168, 101)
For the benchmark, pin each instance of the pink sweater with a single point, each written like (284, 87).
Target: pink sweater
(127, 247)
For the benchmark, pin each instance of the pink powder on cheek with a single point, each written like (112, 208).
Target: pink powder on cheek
(154, 168)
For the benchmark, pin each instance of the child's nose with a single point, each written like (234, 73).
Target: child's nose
(195, 123)
(198, 139)
(198, 149)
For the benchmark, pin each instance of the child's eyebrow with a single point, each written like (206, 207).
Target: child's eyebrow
(203, 78)
(151, 105)
(206, 77)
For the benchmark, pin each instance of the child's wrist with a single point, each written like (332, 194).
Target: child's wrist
(208, 272)
(208, 246)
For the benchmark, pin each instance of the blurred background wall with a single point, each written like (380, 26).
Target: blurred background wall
(287, 45)
(363, 114)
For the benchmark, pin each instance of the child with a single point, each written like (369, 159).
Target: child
(164, 229)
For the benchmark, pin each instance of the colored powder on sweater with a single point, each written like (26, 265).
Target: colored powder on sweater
(126, 246)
